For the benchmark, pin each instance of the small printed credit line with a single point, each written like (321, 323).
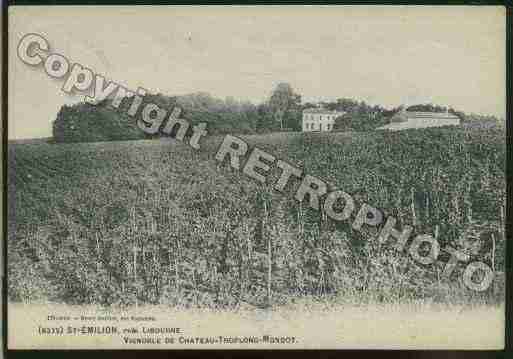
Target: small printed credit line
(33, 49)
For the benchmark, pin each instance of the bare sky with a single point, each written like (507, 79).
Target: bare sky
(384, 55)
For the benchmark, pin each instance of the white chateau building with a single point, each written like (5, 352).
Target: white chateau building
(319, 119)
(409, 119)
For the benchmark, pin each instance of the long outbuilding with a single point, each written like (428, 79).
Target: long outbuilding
(404, 120)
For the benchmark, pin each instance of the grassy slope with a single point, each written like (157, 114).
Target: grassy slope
(130, 193)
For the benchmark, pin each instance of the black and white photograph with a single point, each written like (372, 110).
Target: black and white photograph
(256, 177)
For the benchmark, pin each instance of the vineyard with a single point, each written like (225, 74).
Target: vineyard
(157, 222)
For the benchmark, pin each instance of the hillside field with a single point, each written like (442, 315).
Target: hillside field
(156, 222)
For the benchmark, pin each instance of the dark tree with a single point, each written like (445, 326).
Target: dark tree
(285, 104)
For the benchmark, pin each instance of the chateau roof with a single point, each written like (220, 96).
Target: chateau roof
(322, 111)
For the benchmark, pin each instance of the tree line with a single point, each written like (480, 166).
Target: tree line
(282, 111)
